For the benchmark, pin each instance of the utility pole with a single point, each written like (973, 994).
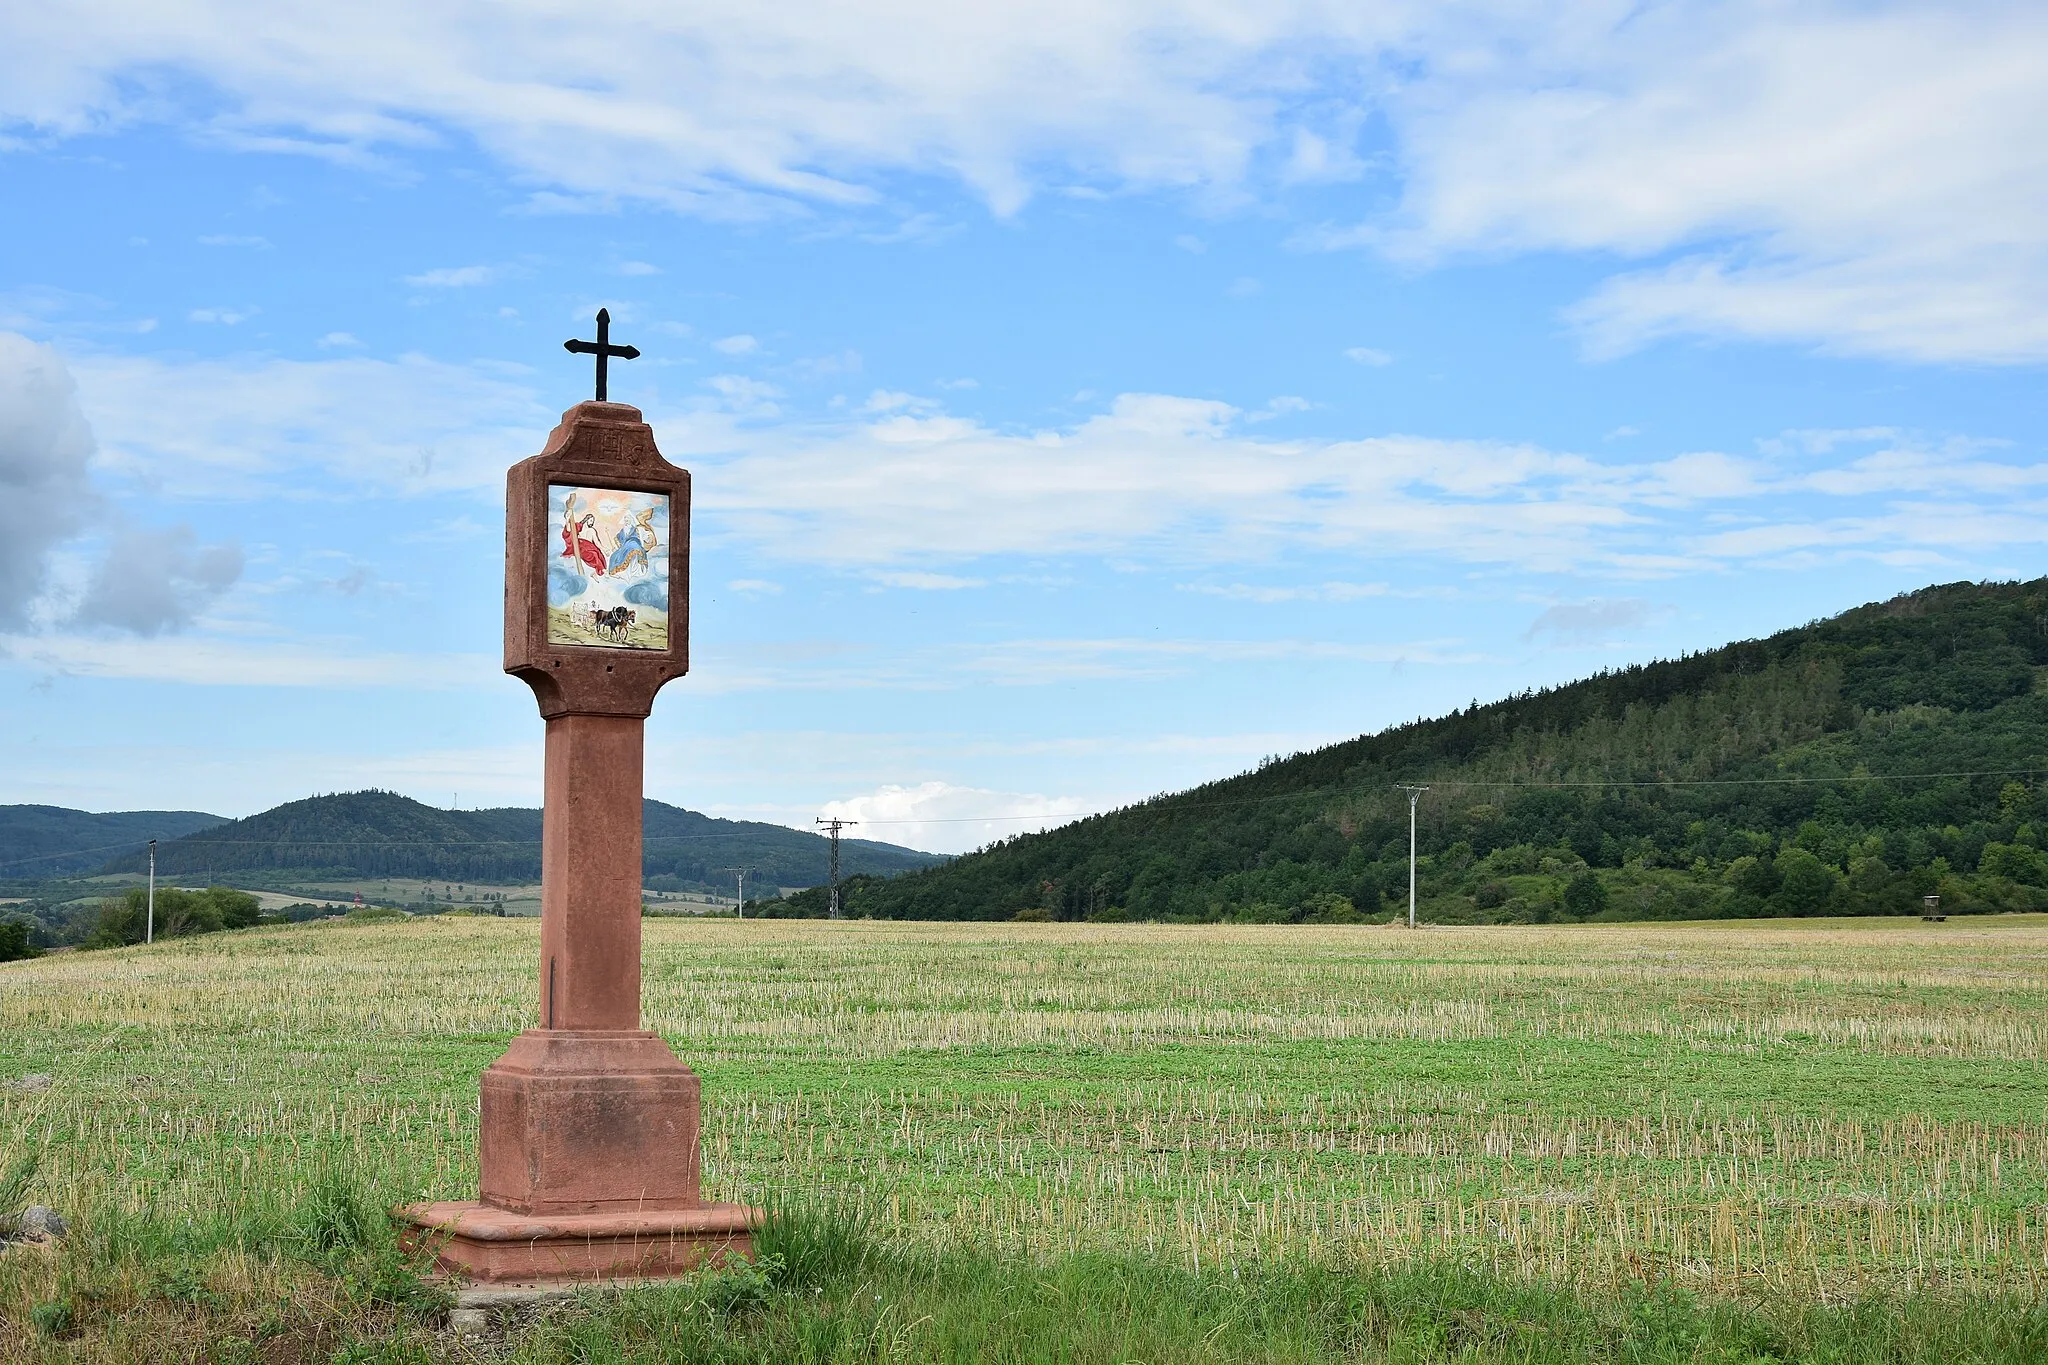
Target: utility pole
(1414, 795)
(743, 888)
(832, 828)
(149, 933)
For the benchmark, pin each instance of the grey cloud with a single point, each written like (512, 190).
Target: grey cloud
(1589, 622)
(45, 491)
(157, 581)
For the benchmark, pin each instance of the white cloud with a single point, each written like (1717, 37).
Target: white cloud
(723, 107)
(453, 277)
(155, 581)
(1182, 481)
(148, 580)
(1038, 663)
(1313, 592)
(638, 268)
(1595, 621)
(213, 661)
(890, 400)
(1367, 355)
(1860, 177)
(929, 582)
(943, 818)
(226, 317)
(335, 340)
(736, 345)
(755, 586)
(260, 243)
(908, 488)
(744, 396)
(45, 488)
(249, 426)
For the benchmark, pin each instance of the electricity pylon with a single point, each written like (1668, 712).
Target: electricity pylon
(832, 828)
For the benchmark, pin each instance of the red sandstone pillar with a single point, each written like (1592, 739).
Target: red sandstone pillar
(588, 1125)
(590, 874)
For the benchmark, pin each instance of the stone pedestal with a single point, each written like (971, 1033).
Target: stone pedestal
(588, 1126)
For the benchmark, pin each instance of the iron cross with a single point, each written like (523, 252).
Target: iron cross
(603, 349)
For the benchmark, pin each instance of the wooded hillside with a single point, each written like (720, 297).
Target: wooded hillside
(50, 841)
(1849, 766)
(382, 834)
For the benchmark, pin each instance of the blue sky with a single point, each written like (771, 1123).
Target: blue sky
(1082, 401)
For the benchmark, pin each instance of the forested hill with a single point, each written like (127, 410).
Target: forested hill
(51, 841)
(1810, 753)
(375, 833)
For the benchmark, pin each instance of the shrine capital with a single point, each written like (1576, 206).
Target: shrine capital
(597, 566)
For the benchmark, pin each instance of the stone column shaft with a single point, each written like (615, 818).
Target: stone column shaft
(590, 873)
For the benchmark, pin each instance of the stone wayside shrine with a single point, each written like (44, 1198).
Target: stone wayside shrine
(588, 1129)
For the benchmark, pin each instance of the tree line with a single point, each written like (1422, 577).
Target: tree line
(1852, 766)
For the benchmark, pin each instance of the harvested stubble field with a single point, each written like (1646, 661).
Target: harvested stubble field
(1818, 1107)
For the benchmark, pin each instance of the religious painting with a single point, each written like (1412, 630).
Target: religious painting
(608, 568)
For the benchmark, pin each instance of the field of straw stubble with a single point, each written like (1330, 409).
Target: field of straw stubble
(1821, 1107)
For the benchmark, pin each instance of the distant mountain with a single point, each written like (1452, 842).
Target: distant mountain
(377, 833)
(50, 841)
(1850, 766)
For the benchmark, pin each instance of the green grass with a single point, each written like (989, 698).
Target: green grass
(1786, 1124)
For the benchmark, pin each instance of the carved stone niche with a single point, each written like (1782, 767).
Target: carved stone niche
(606, 453)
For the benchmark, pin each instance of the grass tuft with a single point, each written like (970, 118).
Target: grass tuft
(335, 1218)
(811, 1244)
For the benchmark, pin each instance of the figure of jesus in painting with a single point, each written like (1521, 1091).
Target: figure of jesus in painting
(579, 538)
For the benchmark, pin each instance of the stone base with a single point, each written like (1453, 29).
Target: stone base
(496, 1246)
(598, 1121)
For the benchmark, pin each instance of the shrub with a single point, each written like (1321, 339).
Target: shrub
(124, 919)
(1327, 907)
(14, 944)
(2027, 866)
(1585, 895)
(1806, 885)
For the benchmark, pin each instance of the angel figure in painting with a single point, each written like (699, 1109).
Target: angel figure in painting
(635, 543)
(579, 538)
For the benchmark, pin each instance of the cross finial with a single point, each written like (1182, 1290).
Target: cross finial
(603, 349)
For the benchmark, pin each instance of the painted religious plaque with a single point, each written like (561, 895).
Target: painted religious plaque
(608, 567)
